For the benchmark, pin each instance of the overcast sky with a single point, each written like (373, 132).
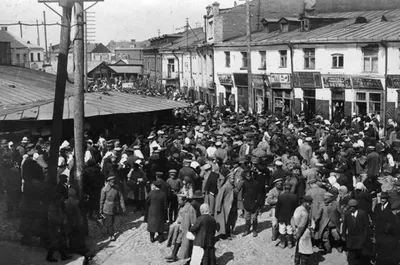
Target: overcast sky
(115, 19)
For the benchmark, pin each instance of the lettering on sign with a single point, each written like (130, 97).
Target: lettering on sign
(366, 83)
(259, 81)
(280, 80)
(337, 82)
(307, 80)
(225, 79)
(393, 81)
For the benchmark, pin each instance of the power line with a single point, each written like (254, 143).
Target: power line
(33, 25)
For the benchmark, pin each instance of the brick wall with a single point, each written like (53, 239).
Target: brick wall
(322, 108)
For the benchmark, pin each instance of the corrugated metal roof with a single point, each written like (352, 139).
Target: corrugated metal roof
(22, 86)
(344, 31)
(127, 69)
(96, 104)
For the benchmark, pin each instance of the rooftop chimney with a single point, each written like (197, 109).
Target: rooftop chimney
(215, 8)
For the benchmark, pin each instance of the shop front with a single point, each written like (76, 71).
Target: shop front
(337, 86)
(369, 95)
(282, 93)
(260, 84)
(309, 82)
(225, 97)
(393, 98)
(241, 82)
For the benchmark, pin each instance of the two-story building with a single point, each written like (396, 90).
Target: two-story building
(23, 52)
(332, 64)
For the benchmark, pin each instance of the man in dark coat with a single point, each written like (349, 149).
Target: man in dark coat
(373, 162)
(211, 189)
(285, 207)
(157, 207)
(252, 198)
(203, 245)
(355, 229)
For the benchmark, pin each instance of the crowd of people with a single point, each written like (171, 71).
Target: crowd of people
(321, 183)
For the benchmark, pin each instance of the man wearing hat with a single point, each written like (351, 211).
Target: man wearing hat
(153, 145)
(157, 211)
(285, 207)
(210, 187)
(305, 150)
(279, 173)
(21, 148)
(136, 181)
(272, 199)
(328, 222)
(373, 162)
(317, 194)
(176, 185)
(301, 231)
(111, 204)
(354, 231)
(252, 200)
(220, 153)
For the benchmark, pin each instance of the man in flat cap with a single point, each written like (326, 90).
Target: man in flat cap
(354, 231)
(301, 231)
(328, 222)
(305, 150)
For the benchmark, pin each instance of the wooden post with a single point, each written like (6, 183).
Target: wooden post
(249, 74)
(58, 107)
(79, 95)
(45, 36)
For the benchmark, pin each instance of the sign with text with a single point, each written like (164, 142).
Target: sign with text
(307, 80)
(241, 80)
(393, 81)
(280, 81)
(366, 83)
(337, 82)
(225, 79)
(259, 81)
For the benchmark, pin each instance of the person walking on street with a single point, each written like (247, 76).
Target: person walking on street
(111, 204)
(272, 199)
(157, 207)
(302, 232)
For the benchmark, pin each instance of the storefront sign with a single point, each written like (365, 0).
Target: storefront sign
(393, 81)
(307, 80)
(241, 80)
(225, 79)
(260, 81)
(280, 81)
(337, 82)
(366, 83)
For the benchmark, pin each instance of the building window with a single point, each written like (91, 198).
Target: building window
(244, 59)
(284, 27)
(18, 58)
(210, 30)
(24, 57)
(370, 59)
(305, 25)
(38, 57)
(283, 62)
(263, 62)
(148, 65)
(32, 59)
(309, 58)
(337, 60)
(171, 67)
(227, 59)
(367, 102)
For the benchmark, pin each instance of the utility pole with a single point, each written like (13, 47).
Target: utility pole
(249, 74)
(38, 35)
(79, 112)
(85, 53)
(20, 29)
(61, 79)
(45, 35)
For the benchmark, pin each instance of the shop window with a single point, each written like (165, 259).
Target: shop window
(244, 59)
(370, 58)
(368, 103)
(337, 60)
(227, 59)
(283, 61)
(263, 62)
(309, 101)
(309, 58)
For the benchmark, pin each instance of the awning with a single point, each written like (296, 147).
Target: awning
(96, 104)
(126, 69)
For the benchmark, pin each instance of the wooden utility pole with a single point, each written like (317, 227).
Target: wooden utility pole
(61, 79)
(249, 74)
(45, 35)
(20, 29)
(38, 35)
(79, 112)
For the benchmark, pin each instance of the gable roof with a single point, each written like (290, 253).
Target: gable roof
(16, 42)
(188, 39)
(97, 48)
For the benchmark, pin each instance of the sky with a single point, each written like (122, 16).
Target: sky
(114, 19)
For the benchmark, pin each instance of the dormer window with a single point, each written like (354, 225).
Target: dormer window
(305, 24)
(284, 27)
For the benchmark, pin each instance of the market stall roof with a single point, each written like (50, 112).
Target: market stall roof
(126, 69)
(96, 104)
